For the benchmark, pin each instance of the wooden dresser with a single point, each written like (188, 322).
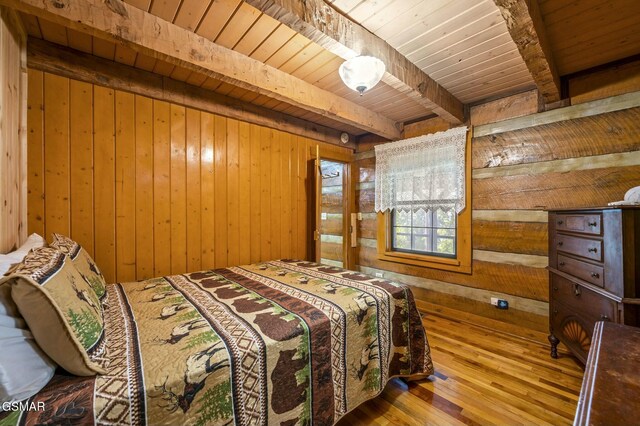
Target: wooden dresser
(594, 273)
(610, 392)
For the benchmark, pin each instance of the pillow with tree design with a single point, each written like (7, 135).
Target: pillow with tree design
(83, 262)
(61, 309)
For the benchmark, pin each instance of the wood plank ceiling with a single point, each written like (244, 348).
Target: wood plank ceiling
(464, 45)
(239, 26)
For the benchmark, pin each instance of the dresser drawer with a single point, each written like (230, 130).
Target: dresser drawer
(592, 305)
(584, 247)
(591, 273)
(580, 223)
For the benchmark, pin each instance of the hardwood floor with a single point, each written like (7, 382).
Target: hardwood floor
(482, 377)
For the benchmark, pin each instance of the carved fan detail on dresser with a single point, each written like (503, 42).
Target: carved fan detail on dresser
(575, 332)
(594, 273)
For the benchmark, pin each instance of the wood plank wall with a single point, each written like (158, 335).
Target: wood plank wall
(13, 230)
(153, 188)
(586, 161)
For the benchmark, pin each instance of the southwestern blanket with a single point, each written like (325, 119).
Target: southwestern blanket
(280, 343)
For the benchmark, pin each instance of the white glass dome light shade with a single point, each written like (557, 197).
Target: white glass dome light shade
(361, 73)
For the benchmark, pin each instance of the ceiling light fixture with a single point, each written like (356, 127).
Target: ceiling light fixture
(361, 73)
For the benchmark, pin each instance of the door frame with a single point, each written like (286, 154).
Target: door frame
(349, 238)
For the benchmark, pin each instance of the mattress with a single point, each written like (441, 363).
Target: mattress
(283, 342)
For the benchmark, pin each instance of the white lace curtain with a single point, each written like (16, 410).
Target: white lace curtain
(424, 172)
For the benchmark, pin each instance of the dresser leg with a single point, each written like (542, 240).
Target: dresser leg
(554, 345)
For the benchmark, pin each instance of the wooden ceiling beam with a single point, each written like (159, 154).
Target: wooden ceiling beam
(525, 24)
(327, 27)
(145, 33)
(55, 59)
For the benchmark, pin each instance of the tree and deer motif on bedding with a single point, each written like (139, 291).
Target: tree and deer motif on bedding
(282, 342)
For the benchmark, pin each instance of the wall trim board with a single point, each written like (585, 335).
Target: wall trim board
(619, 159)
(531, 260)
(515, 302)
(601, 106)
(511, 215)
(66, 62)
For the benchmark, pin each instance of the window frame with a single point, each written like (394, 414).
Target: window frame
(461, 262)
(434, 236)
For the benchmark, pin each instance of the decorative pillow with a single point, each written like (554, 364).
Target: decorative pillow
(82, 261)
(24, 368)
(61, 309)
(10, 259)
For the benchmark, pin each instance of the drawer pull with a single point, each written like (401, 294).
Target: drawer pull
(592, 250)
(604, 318)
(560, 243)
(592, 223)
(555, 288)
(561, 264)
(576, 289)
(560, 222)
(595, 275)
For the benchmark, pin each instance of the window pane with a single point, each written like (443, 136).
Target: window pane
(424, 231)
(402, 218)
(402, 240)
(420, 243)
(420, 218)
(445, 245)
(446, 232)
(445, 219)
(421, 231)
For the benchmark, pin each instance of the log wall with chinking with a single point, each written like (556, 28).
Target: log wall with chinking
(583, 155)
(152, 188)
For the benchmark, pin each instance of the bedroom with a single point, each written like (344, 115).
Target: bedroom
(173, 136)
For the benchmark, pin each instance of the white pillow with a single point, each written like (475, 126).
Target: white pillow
(9, 259)
(24, 367)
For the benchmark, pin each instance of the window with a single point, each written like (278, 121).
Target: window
(424, 231)
(421, 199)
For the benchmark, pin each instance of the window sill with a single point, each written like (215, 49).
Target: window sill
(434, 262)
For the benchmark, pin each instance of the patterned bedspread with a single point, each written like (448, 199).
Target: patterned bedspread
(280, 343)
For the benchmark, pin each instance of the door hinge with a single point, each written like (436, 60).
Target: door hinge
(316, 235)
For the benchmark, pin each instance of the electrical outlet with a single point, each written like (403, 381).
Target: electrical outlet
(499, 303)
(359, 215)
(379, 274)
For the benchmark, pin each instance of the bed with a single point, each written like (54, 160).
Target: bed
(282, 342)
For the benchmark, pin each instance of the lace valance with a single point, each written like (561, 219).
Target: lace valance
(425, 172)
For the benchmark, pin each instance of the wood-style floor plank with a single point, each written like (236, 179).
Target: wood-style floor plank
(483, 377)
